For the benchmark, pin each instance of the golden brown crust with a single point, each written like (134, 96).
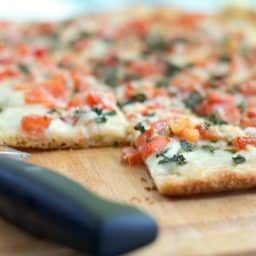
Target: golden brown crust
(235, 12)
(56, 143)
(218, 182)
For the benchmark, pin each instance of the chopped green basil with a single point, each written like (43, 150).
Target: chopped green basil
(110, 113)
(79, 112)
(164, 82)
(100, 119)
(215, 119)
(156, 43)
(186, 146)
(102, 116)
(140, 127)
(225, 58)
(140, 97)
(112, 76)
(242, 105)
(172, 69)
(151, 114)
(193, 100)
(178, 158)
(208, 147)
(98, 111)
(239, 159)
(24, 68)
(54, 111)
(178, 40)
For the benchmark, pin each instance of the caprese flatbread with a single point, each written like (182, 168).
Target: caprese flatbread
(179, 87)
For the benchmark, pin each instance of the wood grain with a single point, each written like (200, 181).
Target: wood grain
(210, 225)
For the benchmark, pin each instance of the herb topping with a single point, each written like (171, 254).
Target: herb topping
(239, 159)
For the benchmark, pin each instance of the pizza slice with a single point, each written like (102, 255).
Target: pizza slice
(78, 127)
(57, 114)
(186, 155)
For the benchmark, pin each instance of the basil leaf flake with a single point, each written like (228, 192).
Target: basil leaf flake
(239, 159)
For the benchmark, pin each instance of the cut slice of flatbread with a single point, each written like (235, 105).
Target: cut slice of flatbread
(36, 127)
(207, 168)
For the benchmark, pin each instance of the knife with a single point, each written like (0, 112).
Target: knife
(58, 209)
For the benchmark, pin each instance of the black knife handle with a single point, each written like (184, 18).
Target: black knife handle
(58, 209)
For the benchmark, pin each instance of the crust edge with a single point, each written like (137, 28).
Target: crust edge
(222, 181)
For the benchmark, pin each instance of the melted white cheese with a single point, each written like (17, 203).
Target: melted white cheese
(201, 162)
(58, 128)
(10, 97)
(11, 117)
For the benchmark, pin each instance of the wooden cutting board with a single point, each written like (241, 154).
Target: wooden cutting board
(223, 224)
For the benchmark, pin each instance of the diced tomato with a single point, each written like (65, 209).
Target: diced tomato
(144, 69)
(220, 103)
(40, 53)
(38, 95)
(131, 156)
(23, 49)
(240, 143)
(82, 44)
(81, 84)
(129, 90)
(89, 99)
(251, 111)
(56, 87)
(47, 28)
(155, 144)
(139, 27)
(143, 138)
(92, 99)
(8, 73)
(35, 125)
(248, 88)
(248, 122)
(218, 97)
(77, 102)
(208, 134)
(185, 83)
(110, 60)
(231, 114)
(7, 60)
(189, 19)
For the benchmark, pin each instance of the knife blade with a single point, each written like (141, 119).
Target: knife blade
(58, 209)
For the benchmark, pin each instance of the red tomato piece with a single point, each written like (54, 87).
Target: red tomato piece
(139, 27)
(35, 125)
(218, 97)
(189, 19)
(248, 122)
(40, 53)
(39, 95)
(155, 144)
(56, 87)
(131, 156)
(8, 73)
(248, 88)
(146, 68)
(220, 103)
(207, 134)
(240, 143)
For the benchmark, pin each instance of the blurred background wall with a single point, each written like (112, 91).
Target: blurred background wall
(58, 9)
